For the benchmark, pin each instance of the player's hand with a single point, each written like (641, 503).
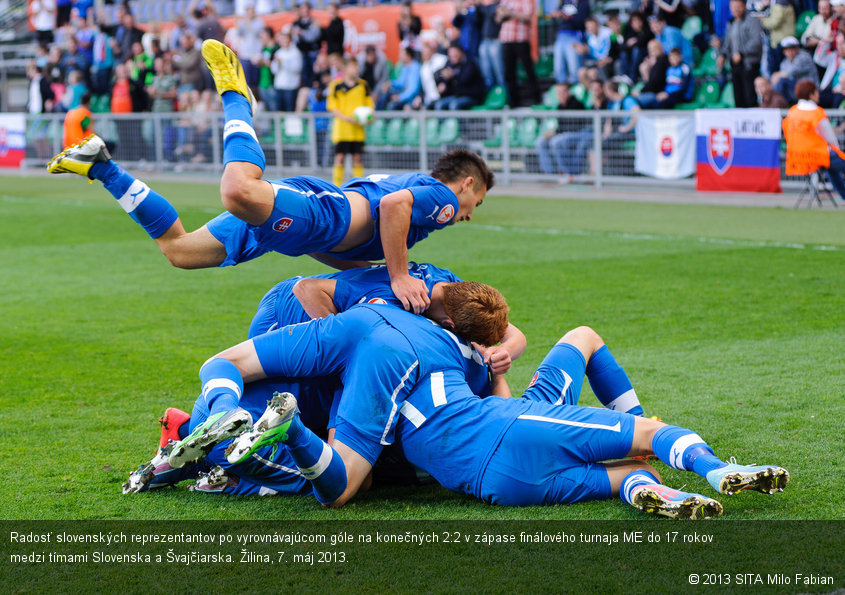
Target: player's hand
(411, 292)
(497, 357)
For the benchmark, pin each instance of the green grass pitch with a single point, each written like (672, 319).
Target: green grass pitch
(730, 321)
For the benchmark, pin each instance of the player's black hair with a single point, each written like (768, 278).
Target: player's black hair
(461, 163)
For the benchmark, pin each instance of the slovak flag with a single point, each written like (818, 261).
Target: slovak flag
(738, 150)
(665, 147)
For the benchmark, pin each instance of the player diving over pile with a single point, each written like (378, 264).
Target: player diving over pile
(367, 219)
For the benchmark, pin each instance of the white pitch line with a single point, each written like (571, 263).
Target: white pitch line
(659, 238)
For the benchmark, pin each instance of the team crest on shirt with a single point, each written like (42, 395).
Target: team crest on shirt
(720, 149)
(446, 214)
(376, 301)
(282, 224)
(534, 379)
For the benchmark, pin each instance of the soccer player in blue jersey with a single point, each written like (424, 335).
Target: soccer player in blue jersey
(375, 349)
(367, 219)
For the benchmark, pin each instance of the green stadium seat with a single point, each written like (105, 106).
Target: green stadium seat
(548, 125)
(728, 99)
(707, 95)
(706, 66)
(411, 132)
(802, 22)
(432, 132)
(549, 100)
(529, 130)
(449, 131)
(578, 91)
(394, 134)
(638, 86)
(294, 131)
(513, 136)
(692, 26)
(496, 99)
(545, 66)
(376, 133)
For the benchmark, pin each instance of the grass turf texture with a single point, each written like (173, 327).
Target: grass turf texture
(729, 321)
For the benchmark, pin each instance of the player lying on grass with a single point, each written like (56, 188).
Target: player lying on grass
(538, 449)
(300, 299)
(365, 220)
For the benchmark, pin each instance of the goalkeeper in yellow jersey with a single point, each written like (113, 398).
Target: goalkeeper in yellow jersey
(348, 136)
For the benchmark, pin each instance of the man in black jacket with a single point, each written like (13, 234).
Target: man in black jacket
(460, 82)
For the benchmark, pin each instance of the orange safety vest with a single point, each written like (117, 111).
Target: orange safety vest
(78, 122)
(806, 150)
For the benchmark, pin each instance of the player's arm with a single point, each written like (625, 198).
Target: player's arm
(341, 265)
(316, 296)
(499, 386)
(395, 221)
(500, 356)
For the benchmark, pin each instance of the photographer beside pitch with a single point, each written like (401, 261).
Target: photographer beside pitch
(368, 219)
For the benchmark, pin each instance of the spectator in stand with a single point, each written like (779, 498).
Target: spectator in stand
(490, 48)
(653, 70)
(432, 62)
(103, 63)
(316, 104)
(375, 69)
(635, 47)
(40, 101)
(459, 83)
(568, 151)
(208, 23)
(125, 100)
(249, 28)
(78, 123)
(287, 67)
(618, 130)
(678, 86)
(569, 19)
(516, 17)
(180, 27)
(143, 66)
(617, 38)
(671, 37)
(596, 50)
(810, 140)
(307, 36)
(348, 136)
(74, 59)
(780, 23)
(333, 33)
(744, 46)
(401, 92)
(467, 21)
(266, 88)
(819, 26)
(767, 96)
(163, 89)
(673, 12)
(83, 7)
(43, 14)
(57, 73)
(85, 33)
(797, 65)
(833, 61)
(126, 35)
(439, 32)
(63, 12)
(545, 151)
(75, 91)
(410, 26)
(188, 64)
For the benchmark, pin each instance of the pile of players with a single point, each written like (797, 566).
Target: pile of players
(397, 368)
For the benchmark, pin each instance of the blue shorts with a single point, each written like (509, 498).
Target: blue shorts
(278, 304)
(552, 454)
(559, 377)
(309, 215)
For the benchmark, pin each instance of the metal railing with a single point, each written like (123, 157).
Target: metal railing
(397, 141)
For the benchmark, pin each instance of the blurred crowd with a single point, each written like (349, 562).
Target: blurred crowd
(660, 52)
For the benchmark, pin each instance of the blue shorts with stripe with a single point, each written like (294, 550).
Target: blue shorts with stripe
(559, 378)
(551, 454)
(309, 215)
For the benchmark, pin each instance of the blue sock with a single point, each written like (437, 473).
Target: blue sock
(240, 142)
(222, 385)
(318, 462)
(148, 208)
(611, 384)
(684, 449)
(633, 480)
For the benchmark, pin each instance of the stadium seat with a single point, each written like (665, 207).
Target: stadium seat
(432, 132)
(496, 99)
(411, 132)
(624, 89)
(578, 91)
(529, 130)
(449, 131)
(549, 100)
(692, 26)
(728, 99)
(548, 125)
(294, 131)
(706, 66)
(394, 135)
(706, 96)
(513, 136)
(802, 22)
(638, 86)
(545, 66)
(376, 133)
